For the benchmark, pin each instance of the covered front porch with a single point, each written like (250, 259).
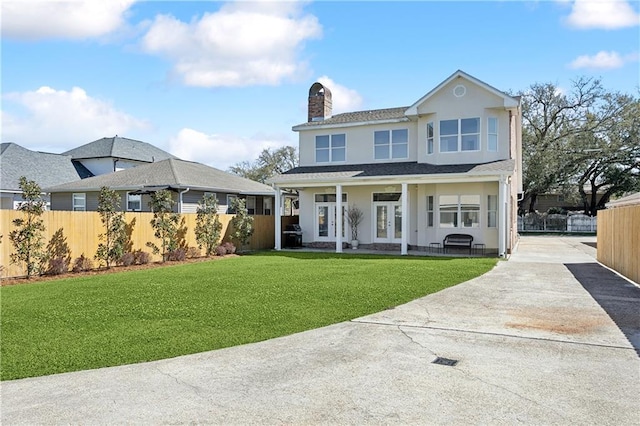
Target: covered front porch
(406, 215)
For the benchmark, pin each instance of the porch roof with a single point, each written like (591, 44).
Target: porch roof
(411, 170)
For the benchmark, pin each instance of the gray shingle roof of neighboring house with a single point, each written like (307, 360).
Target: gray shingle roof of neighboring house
(359, 117)
(44, 168)
(412, 168)
(173, 173)
(117, 147)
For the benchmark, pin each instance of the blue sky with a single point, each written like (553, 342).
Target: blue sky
(217, 82)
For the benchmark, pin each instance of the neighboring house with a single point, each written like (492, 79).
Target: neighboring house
(188, 181)
(44, 168)
(109, 155)
(552, 200)
(449, 163)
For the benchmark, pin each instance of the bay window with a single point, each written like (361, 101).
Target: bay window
(391, 144)
(460, 135)
(459, 211)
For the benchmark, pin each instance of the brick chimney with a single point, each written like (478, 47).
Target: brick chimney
(319, 102)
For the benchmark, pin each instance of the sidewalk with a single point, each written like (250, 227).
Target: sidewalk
(541, 339)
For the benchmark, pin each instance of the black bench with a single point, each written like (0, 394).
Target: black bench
(457, 240)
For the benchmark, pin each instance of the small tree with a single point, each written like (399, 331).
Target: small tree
(165, 222)
(354, 217)
(208, 226)
(115, 236)
(28, 239)
(242, 223)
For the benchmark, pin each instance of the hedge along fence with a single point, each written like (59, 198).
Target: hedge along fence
(81, 231)
(619, 240)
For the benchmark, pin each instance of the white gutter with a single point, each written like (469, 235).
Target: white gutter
(182, 192)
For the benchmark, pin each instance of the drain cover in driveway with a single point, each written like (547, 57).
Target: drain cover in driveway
(445, 361)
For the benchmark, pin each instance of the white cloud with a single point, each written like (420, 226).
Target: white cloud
(343, 99)
(58, 120)
(70, 19)
(243, 44)
(603, 60)
(221, 151)
(604, 14)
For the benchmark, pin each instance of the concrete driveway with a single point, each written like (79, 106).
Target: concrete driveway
(548, 337)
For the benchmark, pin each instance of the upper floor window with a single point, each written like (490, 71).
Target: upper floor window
(460, 135)
(134, 202)
(430, 137)
(492, 134)
(331, 148)
(391, 144)
(79, 202)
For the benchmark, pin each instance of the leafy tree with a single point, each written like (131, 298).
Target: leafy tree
(115, 236)
(208, 226)
(241, 223)
(269, 163)
(165, 222)
(583, 136)
(28, 239)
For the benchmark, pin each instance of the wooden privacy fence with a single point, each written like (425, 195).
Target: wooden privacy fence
(619, 240)
(81, 231)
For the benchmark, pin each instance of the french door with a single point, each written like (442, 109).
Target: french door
(387, 215)
(326, 221)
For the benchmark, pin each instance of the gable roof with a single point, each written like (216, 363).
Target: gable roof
(117, 147)
(509, 102)
(44, 168)
(398, 114)
(173, 173)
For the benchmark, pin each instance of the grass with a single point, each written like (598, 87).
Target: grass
(128, 317)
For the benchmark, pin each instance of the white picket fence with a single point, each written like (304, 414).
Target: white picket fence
(557, 223)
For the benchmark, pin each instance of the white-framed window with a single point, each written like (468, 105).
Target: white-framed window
(492, 211)
(331, 148)
(267, 205)
(230, 198)
(251, 204)
(492, 134)
(430, 137)
(460, 135)
(430, 211)
(391, 144)
(79, 201)
(134, 202)
(459, 211)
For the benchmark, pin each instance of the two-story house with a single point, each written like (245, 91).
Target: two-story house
(449, 163)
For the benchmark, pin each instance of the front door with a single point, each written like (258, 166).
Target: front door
(387, 215)
(326, 218)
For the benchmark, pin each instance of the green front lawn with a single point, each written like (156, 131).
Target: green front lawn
(127, 317)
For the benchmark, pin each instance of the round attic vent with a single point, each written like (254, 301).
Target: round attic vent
(459, 91)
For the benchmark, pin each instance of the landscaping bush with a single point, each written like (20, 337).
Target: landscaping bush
(127, 259)
(177, 255)
(221, 251)
(229, 247)
(57, 266)
(141, 257)
(193, 252)
(82, 264)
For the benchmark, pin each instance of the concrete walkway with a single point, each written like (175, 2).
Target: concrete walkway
(548, 337)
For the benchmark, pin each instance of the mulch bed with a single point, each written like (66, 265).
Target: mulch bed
(113, 269)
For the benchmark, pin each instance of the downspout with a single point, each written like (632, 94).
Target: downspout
(180, 206)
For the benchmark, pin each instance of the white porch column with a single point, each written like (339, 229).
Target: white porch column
(405, 219)
(502, 217)
(339, 217)
(278, 217)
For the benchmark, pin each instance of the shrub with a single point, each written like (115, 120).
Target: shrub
(58, 266)
(193, 252)
(177, 255)
(82, 264)
(127, 259)
(229, 247)
(221, 251)
(141, 257)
